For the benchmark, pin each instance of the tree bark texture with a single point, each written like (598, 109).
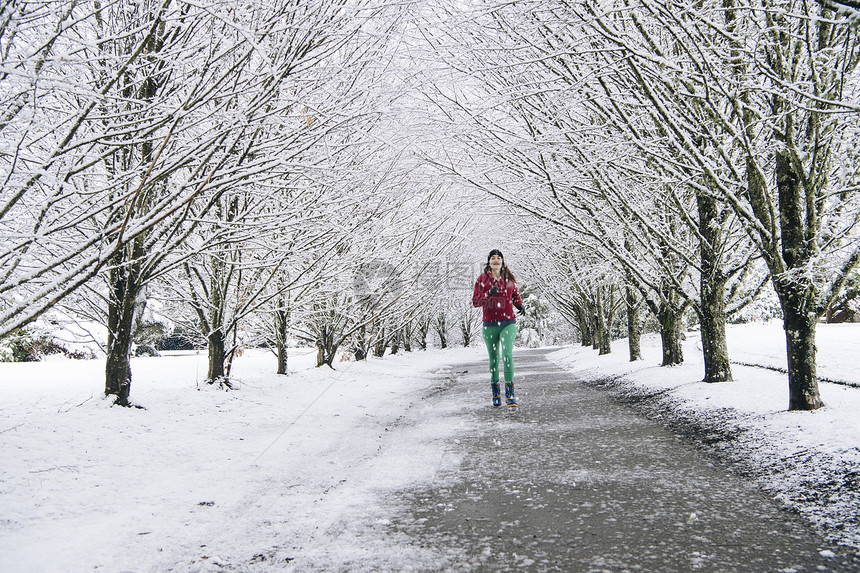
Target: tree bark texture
(671, 322)
(442, 331)
(586, 333)
(360, 347)
(608, 309)
(215, 334)
(800, 351)
(326, 347)
(466, 330)
(379, 346)
(634, 332)
(124, 289)
(281, 340)
(796, 290)
(583, 320)
(712, 284)
(421, 330)
(601, 329)
(282, 359)
(217, 355)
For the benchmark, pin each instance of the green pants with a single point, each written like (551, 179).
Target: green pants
(500, 341)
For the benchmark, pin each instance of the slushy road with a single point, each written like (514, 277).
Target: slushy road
(573, 481)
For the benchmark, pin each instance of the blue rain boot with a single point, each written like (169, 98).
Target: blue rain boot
(510, 399)
(497, 394)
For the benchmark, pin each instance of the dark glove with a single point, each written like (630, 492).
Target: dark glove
(494, 290)
(521, 310)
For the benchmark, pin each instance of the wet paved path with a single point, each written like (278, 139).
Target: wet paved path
(572, 481)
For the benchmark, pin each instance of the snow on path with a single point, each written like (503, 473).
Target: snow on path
(809, 460)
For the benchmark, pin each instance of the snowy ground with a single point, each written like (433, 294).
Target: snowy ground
(208, 480)
(292, 473)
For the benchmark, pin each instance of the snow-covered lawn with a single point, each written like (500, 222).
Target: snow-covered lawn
(203, 479)
(809, 460)
(293, 472)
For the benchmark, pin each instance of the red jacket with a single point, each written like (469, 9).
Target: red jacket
(499, 306)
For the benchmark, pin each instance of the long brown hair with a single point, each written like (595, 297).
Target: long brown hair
(506, 272)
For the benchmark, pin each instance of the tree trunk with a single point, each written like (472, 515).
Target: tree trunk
(422, 330)
(607, 310)
(282, 359)
(234, 351)
(442, 331)
(359, 349)
(634, 332)
(117, 366)
(714, 346)
(800, 350)
(466, 329)
(126, 276)
(281, 340)
(320, 355)
(328, 357)
(606, 342)
(379, 347)
(586, 332)
(796, 291)
(712, 282)
(599, 323)
(325, 356)
(326, 348)
(124, 289)
(118, 373)
(671, 321)
(217, 356)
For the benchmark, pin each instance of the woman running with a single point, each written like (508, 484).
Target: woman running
(496, 292)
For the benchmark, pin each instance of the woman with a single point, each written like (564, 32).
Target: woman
(496, 292)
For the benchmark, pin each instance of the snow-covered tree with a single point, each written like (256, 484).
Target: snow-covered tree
(760, 102)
